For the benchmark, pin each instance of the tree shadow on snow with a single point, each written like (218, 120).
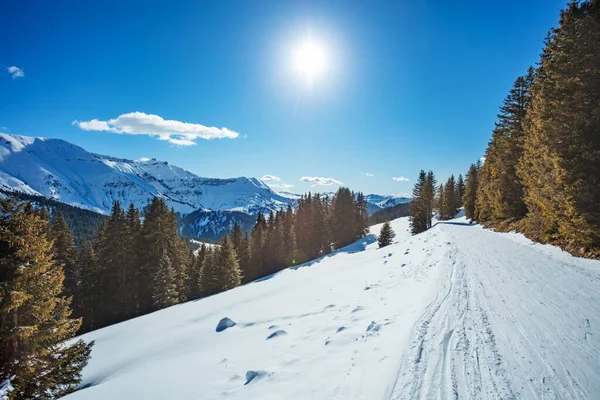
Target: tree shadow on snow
(356, 247)
(455, 223)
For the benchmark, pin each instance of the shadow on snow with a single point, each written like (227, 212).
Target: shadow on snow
(356, 247)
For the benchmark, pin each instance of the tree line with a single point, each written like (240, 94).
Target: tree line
(51, 289)
(134, 267)
(428, 198)
(541, 173)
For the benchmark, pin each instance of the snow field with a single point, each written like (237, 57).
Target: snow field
(455, 312)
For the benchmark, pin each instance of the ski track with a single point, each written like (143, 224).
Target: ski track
(510, 321)
(457, 312)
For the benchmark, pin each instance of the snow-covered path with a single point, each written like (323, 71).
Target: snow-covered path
(510, 320)
(456, 312)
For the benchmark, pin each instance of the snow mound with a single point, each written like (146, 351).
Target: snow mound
(224, 324)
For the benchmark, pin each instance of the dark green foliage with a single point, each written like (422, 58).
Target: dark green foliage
(390, 213)
(421, 205)
(64, 253)
(468, 199)
(542, 168)
(113, 277)
(560, 167)
(220, 270)
(499, 186)
(35, 317)
(386, 236)
(460, 187)
(84, 223)
(165, 286)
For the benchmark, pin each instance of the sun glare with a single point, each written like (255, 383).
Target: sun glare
(310, 60)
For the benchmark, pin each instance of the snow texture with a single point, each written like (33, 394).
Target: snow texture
(455, 312)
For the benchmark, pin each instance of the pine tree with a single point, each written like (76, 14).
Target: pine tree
(429, 196)
(35, 318)
(460, 187)
(257, 246)
(195, 274)
(386, 236)
(111, 250)
(502, 186)
(345, 229)
(220, 270)
(560, 167)
(471, 191)
(244, 256)
(419, 220)
(64, 254)
(440, 200)
(165, 293)
(132, 260)
(86, 299)
(451, 202)
(159, 234)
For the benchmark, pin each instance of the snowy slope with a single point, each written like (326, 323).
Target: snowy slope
(456, 312)
(65, 172)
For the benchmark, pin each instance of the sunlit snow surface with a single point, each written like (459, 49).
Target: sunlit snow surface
(456, 312)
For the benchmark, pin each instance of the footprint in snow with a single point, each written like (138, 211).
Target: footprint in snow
(254, 376)
(275, 334)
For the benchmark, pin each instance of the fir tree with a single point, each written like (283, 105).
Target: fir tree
(64, 254)
(86, 299)
(419, 220)
(386, 236)
(471, 191)
(165, 292)
(112, 256)
(429, 196)
(460, 187)
(195, 274)
(560, 167)
(220, 270)
(499, 180)
(35, 318)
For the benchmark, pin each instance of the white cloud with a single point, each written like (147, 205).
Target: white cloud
(270, 178)
(400, 179)
(16, 72)
(172, 131)
(320, 181)
(482, 159)
(283, 186)
(144, 159)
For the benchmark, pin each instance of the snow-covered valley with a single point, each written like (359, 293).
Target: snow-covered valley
(455, 312)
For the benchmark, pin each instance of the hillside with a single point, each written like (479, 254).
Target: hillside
(457, 311)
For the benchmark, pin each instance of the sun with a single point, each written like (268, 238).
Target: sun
(310, 60)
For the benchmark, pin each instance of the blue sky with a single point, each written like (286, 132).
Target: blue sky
(409, 85)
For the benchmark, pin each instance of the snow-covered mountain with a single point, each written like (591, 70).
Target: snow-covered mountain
(65, 172)
(376, 202)
(62, 171)
(455, 312)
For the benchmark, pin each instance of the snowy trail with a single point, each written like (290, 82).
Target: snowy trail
(511, 320)
(457, 312)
